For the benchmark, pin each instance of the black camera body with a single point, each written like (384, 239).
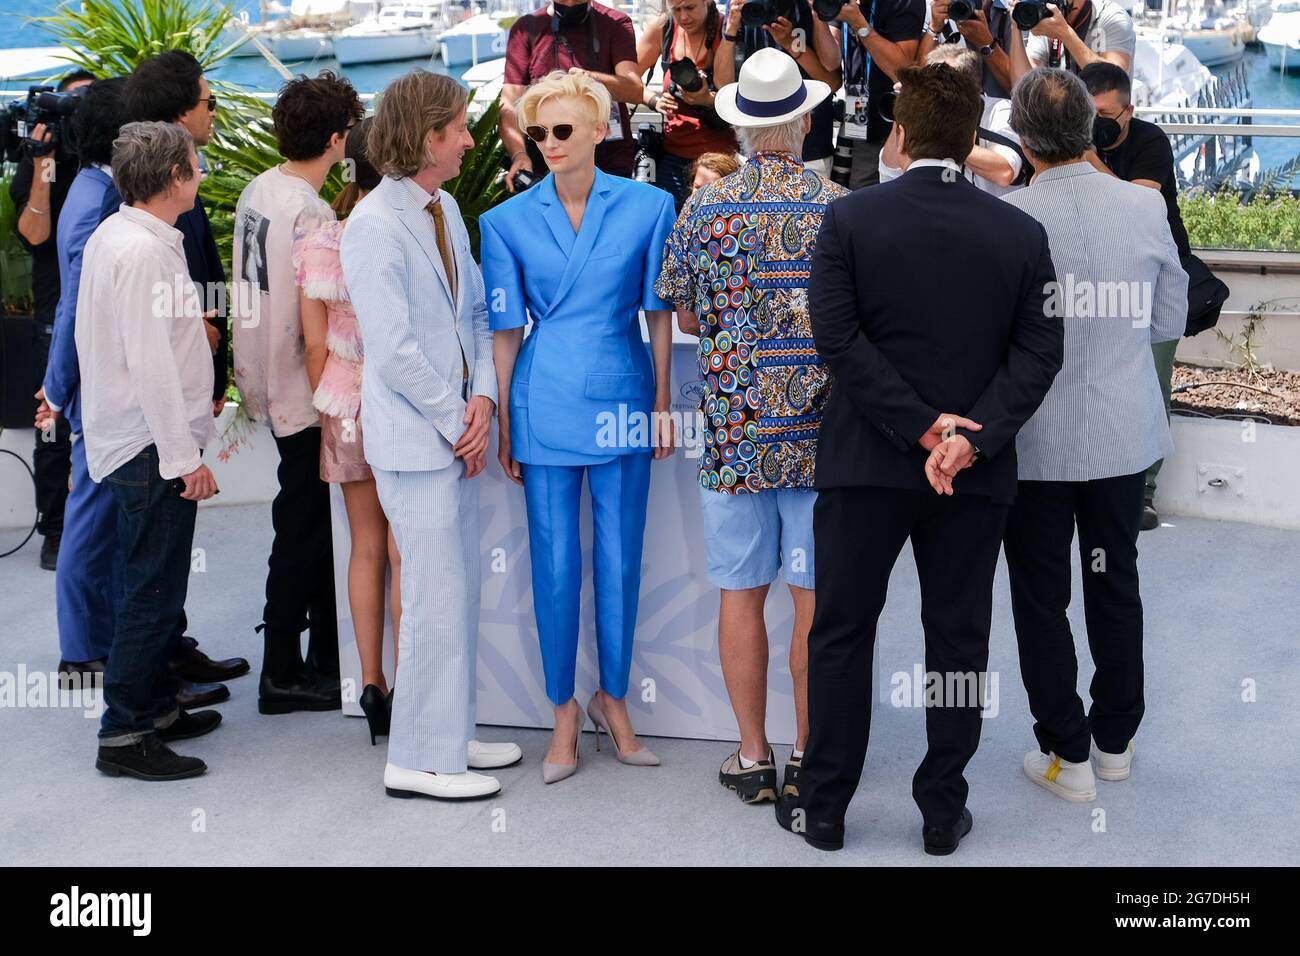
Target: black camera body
(827, 10)
(685, 75)
(1028, 13)
(43, 105)
(760, 13)
(959, 10)
(523, 179)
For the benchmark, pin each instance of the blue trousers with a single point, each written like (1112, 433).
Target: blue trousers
(620, 490)
(155, 532)
(84, 579)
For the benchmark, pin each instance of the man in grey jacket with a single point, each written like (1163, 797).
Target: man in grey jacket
(1083, 455)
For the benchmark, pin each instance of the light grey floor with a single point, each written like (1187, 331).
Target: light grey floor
(1215, 780)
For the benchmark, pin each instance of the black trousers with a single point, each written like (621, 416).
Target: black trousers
(859, 533)
(1108, 513)
(51, 459)
(300, 576)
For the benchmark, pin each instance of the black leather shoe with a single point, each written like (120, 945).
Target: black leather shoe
(194, 696)
(304, 692)
(940, 841)
(820, 835)
(190, 725)
(197, 667)
(1150, 517)
(50, 551)
(148, 759)
(83, 667)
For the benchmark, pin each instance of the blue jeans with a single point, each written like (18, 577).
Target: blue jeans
(155, 531)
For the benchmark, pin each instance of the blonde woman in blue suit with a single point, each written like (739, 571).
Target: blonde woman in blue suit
(578, 254)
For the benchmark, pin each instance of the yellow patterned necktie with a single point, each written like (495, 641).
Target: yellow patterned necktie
(448, 263)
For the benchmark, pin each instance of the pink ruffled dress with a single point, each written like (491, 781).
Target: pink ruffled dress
(319, 273)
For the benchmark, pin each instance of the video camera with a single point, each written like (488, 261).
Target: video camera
(43, 105)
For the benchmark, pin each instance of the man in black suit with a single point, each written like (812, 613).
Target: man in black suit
(928, 306)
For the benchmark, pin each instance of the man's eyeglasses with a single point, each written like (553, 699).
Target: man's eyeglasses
(211, 101)
(538, 133)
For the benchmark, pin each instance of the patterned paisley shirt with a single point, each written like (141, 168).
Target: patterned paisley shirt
(739, 257)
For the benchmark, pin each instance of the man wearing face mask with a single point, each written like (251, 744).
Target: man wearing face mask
(577, 36)
(1137, 152)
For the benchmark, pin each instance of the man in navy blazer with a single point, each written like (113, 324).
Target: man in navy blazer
(928, 305)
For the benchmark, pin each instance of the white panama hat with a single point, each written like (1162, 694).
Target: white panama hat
(770, 91)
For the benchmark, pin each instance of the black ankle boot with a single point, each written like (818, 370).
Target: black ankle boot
(287, 683)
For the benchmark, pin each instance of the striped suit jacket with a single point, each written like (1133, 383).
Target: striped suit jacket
(1119, 288)
(418, 340)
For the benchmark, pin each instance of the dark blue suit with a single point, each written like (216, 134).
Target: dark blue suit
(84, 576)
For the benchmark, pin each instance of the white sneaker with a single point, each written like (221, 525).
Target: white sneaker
(1069, 781)
(399, 782)
(1113, 766)
(493, 756)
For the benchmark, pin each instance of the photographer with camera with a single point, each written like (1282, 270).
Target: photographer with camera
(578, 36)
(995, 163)
(985, 28)
(888, 33)
(1071, 34)
(46, 168)
(787, 25)
(685, 39)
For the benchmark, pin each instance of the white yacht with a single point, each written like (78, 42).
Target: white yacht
(1281, 36)
(478, 38)
(1214, 40)
(305, 31)
(405, 30)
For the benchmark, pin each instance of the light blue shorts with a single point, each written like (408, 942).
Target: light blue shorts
(750, 536)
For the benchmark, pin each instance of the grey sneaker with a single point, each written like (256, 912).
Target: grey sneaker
(753, 785)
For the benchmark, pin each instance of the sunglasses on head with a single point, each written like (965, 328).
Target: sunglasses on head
(538, 133)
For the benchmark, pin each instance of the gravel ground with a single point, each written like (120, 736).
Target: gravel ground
(1273, 395)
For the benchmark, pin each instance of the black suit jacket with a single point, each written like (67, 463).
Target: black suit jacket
(927, 296)
(206, 271)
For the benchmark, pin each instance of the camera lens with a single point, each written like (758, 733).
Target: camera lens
(961, 9)
(1027, 13)
(755, 13)
(827, 10)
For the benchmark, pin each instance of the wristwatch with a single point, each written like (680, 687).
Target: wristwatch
(936, 37)
(729, 38)
(863, 31)
(986, 50)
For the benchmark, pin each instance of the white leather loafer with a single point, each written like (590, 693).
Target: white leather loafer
(399, 782)
(493, 756)
(1069, 781)
(1113, 766)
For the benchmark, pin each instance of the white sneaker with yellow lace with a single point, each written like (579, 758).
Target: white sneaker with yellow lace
(1113, 766)
(1069, 781)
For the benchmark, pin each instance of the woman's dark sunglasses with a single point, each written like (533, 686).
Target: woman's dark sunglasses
(538, 133)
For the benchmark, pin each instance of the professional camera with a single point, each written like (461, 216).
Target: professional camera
(685, 76)
(827, 10)
(962, 9)
(19, 118)
(759, 13)
(1028, 13)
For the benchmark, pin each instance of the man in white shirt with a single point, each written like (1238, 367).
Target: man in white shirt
(146, 408)
(995, 164)
(312, 117)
